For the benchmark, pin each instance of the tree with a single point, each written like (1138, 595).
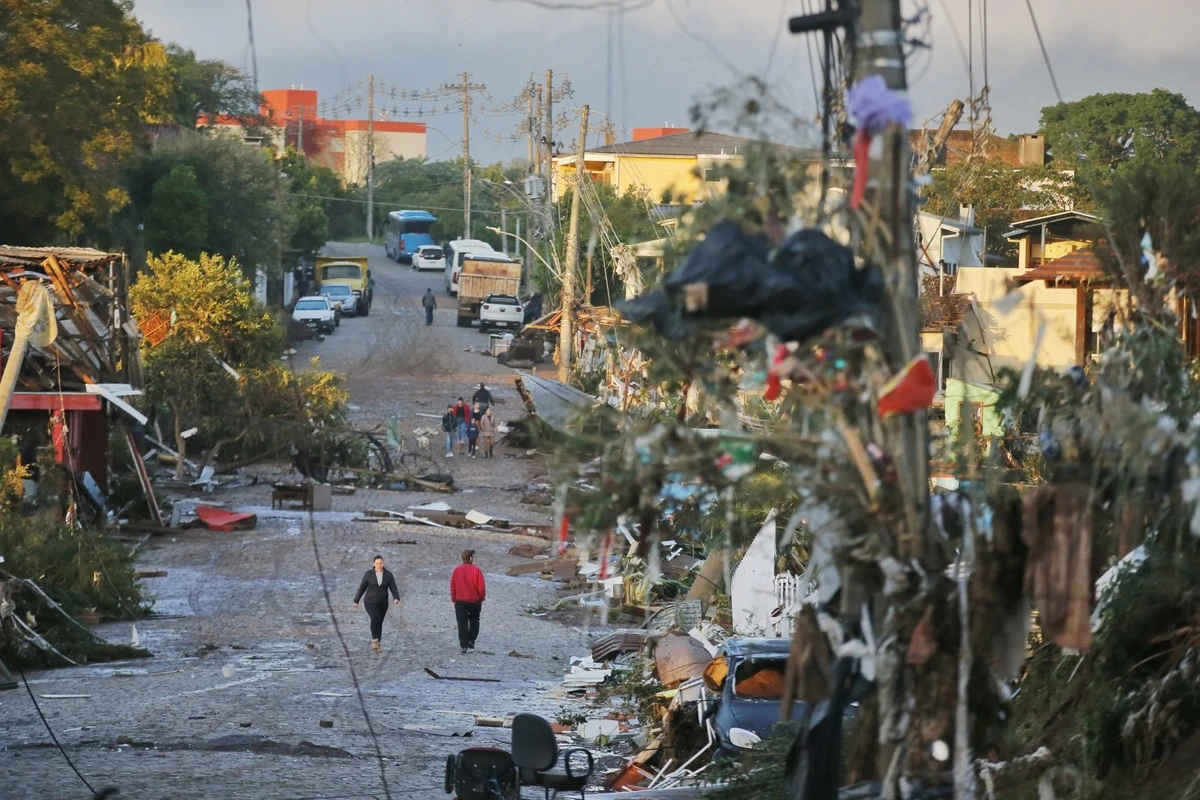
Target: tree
(177, 218)
(1103, 131)
(1002, 194)
(203, 90)
(315, 200)
(247, 215)
(79, 81)
(210, 301)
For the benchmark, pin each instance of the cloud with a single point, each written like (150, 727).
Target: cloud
(678, 51)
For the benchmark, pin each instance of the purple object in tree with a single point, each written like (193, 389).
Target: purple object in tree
(874, 106)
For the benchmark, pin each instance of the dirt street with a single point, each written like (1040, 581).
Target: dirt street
(249, 693)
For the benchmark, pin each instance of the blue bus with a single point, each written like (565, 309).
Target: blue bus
(406, 231)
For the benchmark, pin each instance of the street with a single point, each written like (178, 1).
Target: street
(249, 693)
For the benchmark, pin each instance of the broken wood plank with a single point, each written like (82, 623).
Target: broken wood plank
(150, 573)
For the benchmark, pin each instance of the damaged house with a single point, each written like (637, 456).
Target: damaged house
(67, 391)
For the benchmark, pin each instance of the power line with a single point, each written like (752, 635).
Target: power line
(33, 698)
(1042, 45)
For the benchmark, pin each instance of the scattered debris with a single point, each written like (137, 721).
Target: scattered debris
(220, 519)
(432, 731)
(515, 654)
(150, 573)
(326, 723)
(433, 674)
(401, 541)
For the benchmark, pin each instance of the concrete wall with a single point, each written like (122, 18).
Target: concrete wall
(1009, 339)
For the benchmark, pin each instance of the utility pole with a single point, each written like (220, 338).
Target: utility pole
(465, 88)
(536, 124)
(571, 265)
(466, 104)
(370, 157)
(504, 231)
(548, 128)
(906, 723)
(529, 125)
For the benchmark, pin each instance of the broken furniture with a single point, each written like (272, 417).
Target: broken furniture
(310, 496)
(536, 757)
(481, 773)
(486, 772)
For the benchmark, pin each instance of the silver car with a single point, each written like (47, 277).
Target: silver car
(342, 298)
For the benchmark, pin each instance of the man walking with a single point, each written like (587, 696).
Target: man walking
(482, 397)
(450, 428)
(429, 302)
(467, 592)
(375, 584)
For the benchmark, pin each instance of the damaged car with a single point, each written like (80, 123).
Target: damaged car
(744, 690)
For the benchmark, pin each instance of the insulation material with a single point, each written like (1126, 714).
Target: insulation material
(752, 591)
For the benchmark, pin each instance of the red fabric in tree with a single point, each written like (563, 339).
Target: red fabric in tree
(912, 389)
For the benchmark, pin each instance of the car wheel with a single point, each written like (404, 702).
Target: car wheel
(482, 326)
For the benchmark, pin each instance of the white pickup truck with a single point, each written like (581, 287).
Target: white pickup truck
(501, 311)
(316, 312)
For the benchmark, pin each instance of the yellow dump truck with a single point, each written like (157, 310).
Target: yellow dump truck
(347, 271)
(481, 276)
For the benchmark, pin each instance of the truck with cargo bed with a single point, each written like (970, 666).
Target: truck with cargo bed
(482, 276)
(351, 272)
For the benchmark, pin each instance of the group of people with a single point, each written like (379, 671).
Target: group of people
(465, 425)
(467, 593)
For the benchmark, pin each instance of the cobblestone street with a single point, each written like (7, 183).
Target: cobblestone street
(249, 693)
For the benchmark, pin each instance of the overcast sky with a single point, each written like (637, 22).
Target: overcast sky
(648, 66)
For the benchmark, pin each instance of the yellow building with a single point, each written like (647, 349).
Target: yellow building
(1051, 309)
(670, 166)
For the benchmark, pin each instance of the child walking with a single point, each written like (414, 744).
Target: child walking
(472, 436)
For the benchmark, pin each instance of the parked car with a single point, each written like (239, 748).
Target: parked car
(316, 312)
(501, 311)
(429, 256)
(343, 299)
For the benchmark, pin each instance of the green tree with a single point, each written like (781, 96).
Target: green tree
(315, 202)
(1160, 197)
(79, 81)
(204, 89)
(1103, 131)
(247, 214)
(178, 214)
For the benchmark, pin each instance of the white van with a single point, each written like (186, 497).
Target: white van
(454, 256)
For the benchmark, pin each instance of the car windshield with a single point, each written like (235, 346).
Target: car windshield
(336, 291)
(312, 304)
(341, 271)
(431, 252)
(505, 299)
(760, 678)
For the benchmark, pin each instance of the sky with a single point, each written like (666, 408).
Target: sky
(650, 64)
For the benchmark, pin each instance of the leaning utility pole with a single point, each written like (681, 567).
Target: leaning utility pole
(370, 157)
(571, 263)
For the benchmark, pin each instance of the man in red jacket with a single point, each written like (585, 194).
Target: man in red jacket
(467, 592)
